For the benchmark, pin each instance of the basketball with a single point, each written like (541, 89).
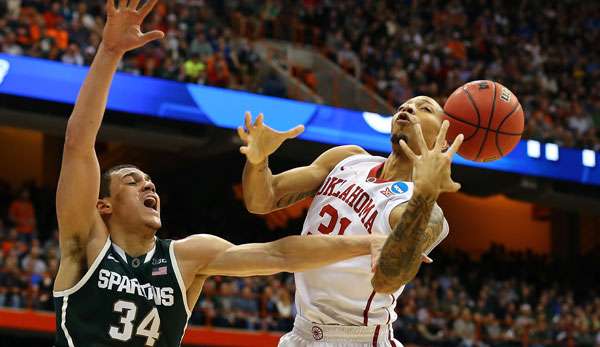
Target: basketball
(489, 116)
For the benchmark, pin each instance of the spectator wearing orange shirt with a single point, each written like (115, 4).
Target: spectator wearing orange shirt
(60, 35)
(22, 214)
(9, 242)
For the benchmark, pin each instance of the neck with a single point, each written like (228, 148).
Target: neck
(397, 167)
(134, 242)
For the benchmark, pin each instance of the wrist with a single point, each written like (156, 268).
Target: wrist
(425, 190)
(261, 164)
(110, 51)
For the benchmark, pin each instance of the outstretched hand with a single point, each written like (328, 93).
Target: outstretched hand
(432, 168)
(122, 32)
(260, 140)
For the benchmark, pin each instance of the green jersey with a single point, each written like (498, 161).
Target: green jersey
(125, 301)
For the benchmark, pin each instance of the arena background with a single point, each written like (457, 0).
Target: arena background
(520, 266)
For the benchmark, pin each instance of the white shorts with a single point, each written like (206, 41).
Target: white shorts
(307, 334)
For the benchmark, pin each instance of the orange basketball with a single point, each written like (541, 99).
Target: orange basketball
(489, 116)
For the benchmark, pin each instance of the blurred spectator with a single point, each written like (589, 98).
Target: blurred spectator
(72, 55)
(33, 263)
(283, 303)
(22, 214)
(273, 86)
(194, 70)
(464, 328)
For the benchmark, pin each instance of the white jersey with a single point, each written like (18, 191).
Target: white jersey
(351, 201)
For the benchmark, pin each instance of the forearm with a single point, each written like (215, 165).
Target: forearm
(401, 255)
(88, 112)
(257, 181)
(301, 253)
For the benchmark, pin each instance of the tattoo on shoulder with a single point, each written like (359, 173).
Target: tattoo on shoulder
(291, 198)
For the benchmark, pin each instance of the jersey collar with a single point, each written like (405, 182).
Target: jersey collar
(123, 255)
(374, 174)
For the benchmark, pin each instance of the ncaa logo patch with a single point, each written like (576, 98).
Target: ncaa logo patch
(399, 188)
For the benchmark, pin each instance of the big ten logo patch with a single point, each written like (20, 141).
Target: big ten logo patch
(395, 189)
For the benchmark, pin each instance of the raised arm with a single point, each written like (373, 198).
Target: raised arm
(79, 181)
(418, 229)
(289, 254)
(265, 192)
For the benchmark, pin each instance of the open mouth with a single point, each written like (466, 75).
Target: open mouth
(403, 118)
(151, 202)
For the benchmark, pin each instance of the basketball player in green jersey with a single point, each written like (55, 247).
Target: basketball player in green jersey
(117, 284)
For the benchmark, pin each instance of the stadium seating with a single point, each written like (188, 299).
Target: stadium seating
(399, 50)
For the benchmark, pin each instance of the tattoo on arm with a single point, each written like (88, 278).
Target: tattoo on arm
(401, 255)
(291, 198)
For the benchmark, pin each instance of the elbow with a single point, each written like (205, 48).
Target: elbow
(257, 208)
(74, 139)
(71, 140)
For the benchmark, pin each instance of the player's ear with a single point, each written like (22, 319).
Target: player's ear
(104, 207)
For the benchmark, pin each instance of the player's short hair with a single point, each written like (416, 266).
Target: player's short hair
(106, 177)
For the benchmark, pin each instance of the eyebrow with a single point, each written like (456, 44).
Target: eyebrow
(133, 173)
(424, 101)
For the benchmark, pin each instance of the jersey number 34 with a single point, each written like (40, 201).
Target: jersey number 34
(148, 327)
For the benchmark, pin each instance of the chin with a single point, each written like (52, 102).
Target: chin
(395, 140)
(153, 223)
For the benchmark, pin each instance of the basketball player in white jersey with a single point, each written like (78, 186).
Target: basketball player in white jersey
(355, 193)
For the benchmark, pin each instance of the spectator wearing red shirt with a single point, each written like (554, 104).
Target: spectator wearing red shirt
(22, 214)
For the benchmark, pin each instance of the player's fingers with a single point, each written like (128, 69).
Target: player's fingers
(133, 4)
(421, 139)
(110, 7)
(147, 8)
(426, 259)
(153, 35)
(441, 138)
(374, 261)
(409, 153)
(248, 120)
(244, 149)
(456, 186)
(122, 4)
(242, 134)
(290, 134)
(259, 120)
(455, 145)
(451, 186)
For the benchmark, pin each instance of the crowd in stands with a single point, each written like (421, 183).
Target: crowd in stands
(197, 48)
(503, 299)
(544, 51)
